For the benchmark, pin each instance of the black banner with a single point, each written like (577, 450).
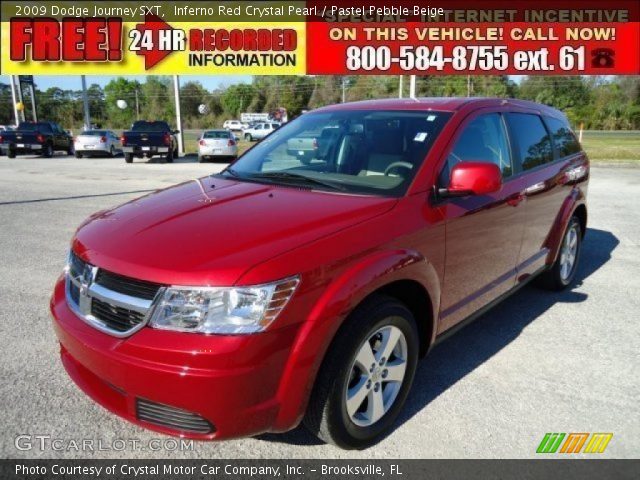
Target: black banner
(583, 469)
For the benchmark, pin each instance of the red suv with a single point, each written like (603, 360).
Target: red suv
(295, 288)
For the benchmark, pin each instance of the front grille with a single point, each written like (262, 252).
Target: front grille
(171, 417)
(116, 318)
(74, 292)
(126, 285)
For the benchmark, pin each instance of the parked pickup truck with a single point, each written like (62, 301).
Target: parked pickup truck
(148, 139)
(36, 137)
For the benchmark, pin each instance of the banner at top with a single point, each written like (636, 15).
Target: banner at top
(320, 37)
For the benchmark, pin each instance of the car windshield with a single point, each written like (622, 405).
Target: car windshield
(216, 134)
(94, 133)
(359, 151)
(150, 127)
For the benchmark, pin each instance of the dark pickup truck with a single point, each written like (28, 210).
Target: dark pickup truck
(36, 137)
(147, 139)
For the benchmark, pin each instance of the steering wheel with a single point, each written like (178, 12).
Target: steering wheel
(395, 165)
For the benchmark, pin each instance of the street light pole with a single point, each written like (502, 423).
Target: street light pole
(412, 87)
(400, 87)
(14, 98)
(85, 100)
(176, 93)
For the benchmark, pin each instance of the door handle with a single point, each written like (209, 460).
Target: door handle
(536, 187)
(515, 200)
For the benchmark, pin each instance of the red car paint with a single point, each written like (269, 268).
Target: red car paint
(448, 257)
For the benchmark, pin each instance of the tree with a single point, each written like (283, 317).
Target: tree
(121, 89)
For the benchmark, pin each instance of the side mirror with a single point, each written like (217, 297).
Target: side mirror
(474, 178)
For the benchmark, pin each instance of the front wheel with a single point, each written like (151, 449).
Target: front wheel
(366, 376)
(563, 271)
(128, 157)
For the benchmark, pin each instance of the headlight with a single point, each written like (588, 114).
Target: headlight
(222, 310)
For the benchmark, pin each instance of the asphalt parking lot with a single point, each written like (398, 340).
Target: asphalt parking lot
(538, 363)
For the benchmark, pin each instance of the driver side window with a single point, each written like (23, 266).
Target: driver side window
(484, 139)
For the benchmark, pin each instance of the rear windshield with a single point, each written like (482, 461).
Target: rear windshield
(150, 127)
(216, 134)
(94, 133)
(31, 127)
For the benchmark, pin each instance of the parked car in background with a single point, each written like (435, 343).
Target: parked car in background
(235, 125)
(217, 144)
(259, 131)
(97, 142)
(278, 292)
(148, 139)
(44, 138)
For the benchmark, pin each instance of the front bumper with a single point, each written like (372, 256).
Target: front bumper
(230, 381)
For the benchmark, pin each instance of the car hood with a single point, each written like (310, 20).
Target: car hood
(212, 230)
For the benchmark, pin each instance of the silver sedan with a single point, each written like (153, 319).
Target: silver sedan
(217, 144)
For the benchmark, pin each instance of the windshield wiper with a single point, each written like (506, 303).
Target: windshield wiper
(296, 178)
(231, 172)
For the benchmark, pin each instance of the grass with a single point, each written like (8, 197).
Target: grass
(612, 146)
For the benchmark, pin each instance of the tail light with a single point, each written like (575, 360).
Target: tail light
(39, 138)
(103, 139)
(167, 139)
(315, 143)
(202, 143)
(231, 142)
(0, 138)
(123, 139)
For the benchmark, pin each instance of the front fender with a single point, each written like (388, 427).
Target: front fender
(342, 295)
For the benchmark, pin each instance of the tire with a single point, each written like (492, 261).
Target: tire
(112, 152)
(78, 155)
(71, 150)
(128, 157)
(11, 153)
(48, 151)
(201, 159)
(169, 157)
(563, 272)
(248, 137)
(328, 415)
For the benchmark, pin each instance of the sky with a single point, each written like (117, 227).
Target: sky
(210, 82)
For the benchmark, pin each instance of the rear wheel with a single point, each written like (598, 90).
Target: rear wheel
(201, 159)
(563, 271)
(366, 375)
(48, 150)
(71, 150)
(78, 155)
(11, 153)
(248, 137)
(128, 157)
(169, 157)
(112, 152)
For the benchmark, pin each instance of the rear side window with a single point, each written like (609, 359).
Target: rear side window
(532, 142)
(483, 140)
(563, 138)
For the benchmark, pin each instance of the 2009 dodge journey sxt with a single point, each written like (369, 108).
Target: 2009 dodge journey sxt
(299, 286)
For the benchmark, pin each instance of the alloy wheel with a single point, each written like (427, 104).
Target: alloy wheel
(376, 376)
(568, 252)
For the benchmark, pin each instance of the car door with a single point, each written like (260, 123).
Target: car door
(483, 233)
(540, 175)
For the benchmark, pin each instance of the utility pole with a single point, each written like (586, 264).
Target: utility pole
(400, 87)
(34, 109)
(137, 106)
(412, 86)
(20, 99)
(344, 89)
(468, 85)
(176, 93)
(85, 101)
(14, 98)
